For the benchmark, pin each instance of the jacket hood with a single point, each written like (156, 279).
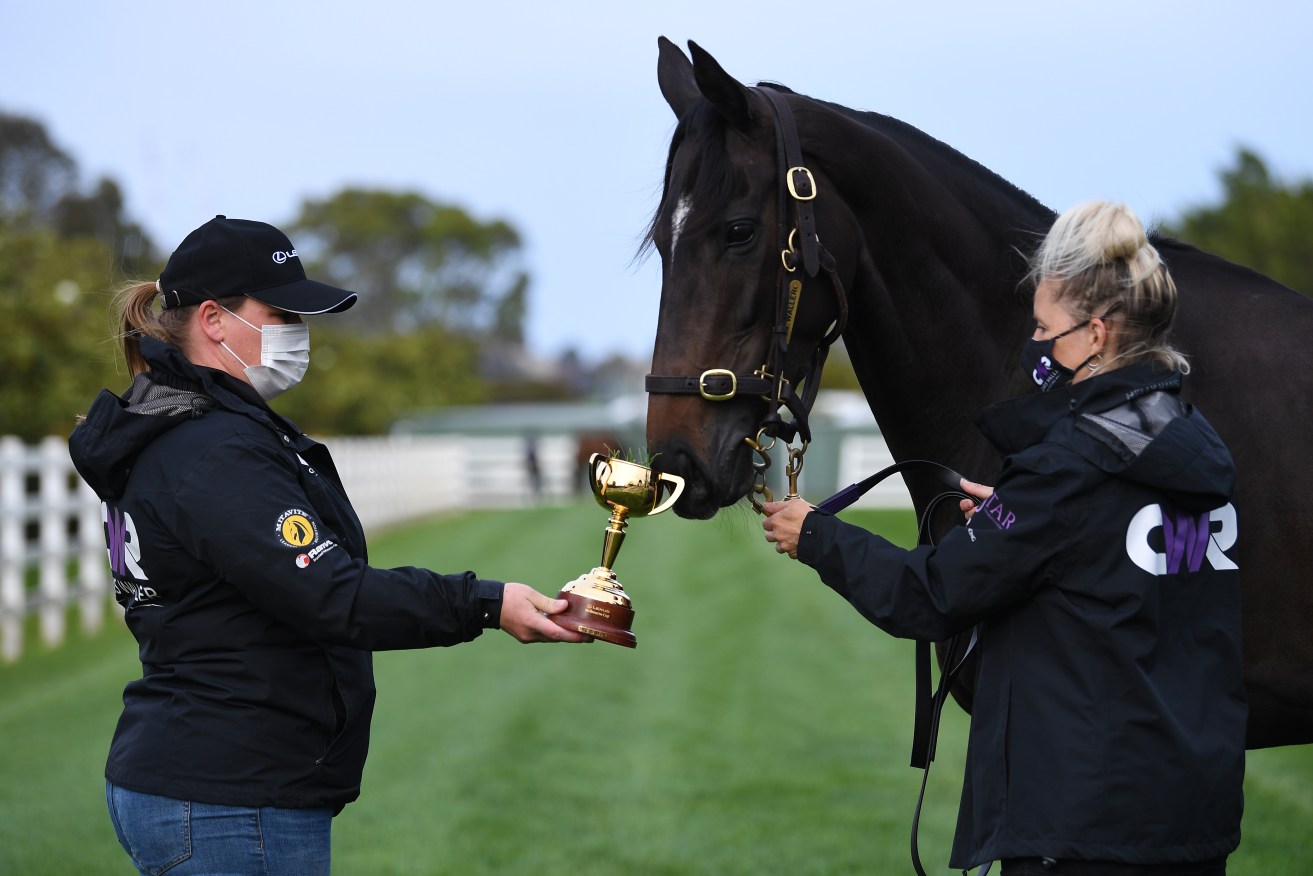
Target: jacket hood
(116, 430)
(1130, 423)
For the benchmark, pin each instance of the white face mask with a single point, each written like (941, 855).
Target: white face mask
(284, 357)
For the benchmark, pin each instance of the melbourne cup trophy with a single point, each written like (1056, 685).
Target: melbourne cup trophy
(598, 604)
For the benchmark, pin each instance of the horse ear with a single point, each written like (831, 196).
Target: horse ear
(725, 92)
(675, 76)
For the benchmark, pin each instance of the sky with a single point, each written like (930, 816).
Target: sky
(548, 115)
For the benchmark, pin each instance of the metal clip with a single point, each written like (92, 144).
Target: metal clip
(788, 254)
(794, 469)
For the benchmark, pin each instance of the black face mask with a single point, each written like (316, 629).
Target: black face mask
(1038, 360)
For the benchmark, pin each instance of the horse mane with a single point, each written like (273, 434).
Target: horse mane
(973, 182)
(712, 183)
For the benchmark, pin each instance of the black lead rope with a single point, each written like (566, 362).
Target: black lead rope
(928, 706)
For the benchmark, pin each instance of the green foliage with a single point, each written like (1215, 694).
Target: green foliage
(761, 726)
(639, 455)
(439, 291)
(60, 250)
(417, 263)
(838, 372)
(1261, 223)
(55, 355)
(361, 384)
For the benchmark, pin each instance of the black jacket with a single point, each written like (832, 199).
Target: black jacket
(1109, 711)
(243, 573)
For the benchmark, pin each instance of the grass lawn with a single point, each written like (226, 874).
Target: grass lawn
(761, 726)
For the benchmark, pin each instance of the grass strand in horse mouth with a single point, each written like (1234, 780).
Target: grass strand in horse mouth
(639, 455)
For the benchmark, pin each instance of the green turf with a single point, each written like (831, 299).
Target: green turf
(761, 726)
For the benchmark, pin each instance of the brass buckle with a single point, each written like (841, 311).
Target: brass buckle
(718, 372)
(811, 182)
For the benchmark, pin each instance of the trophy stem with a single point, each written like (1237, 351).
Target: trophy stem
(615, 535)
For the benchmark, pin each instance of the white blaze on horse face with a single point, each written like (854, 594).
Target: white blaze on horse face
(677, 221)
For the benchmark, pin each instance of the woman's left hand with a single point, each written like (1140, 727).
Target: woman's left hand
(980, 491)
(524, 614)
(783, 524)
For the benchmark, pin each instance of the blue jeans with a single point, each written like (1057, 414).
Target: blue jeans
(184, 838)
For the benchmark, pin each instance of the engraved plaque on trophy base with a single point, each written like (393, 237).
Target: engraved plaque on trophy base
(598, 608)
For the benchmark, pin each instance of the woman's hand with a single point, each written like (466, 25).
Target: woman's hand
(524, 614)
(980, 491)
(783, 524)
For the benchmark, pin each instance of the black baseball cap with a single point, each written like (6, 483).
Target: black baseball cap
(242, 257)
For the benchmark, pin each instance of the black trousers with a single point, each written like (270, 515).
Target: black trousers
(1049, 867)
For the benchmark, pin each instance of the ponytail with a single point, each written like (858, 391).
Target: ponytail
(138, 314)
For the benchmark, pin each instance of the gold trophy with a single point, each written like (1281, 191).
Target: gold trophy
(598, 604)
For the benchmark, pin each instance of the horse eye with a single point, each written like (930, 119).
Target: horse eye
(740, 233)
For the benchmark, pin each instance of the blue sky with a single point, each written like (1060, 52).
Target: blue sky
(549, 115)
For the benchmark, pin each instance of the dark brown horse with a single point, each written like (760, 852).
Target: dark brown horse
(928, 254)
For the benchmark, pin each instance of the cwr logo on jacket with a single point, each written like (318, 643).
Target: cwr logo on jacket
(121, 542)
(124, 548)
(1187, 539)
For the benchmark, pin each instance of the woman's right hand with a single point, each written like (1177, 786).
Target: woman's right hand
(980, 491)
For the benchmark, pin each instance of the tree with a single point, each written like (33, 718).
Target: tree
(416, 262)
(99, 214)
(60, 251)
(361, 384)
(438, 290)
(1261, 223)
(56, 354)
(35, 174)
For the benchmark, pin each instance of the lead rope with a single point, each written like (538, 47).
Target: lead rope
(928, 707)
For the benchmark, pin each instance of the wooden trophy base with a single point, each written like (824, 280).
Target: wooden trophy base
(598, 608)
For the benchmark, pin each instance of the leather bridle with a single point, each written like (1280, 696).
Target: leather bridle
(799, 246)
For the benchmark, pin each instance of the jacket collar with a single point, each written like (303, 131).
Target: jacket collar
(1018, 423)
(170, 367)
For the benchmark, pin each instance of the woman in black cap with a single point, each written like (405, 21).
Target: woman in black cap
(241, 568)
(1108, 713)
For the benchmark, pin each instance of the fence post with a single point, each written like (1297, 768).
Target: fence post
(91, 558)
(12, 597)
(53, 456)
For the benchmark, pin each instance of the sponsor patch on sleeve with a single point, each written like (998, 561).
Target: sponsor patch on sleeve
(295, 529)
(305, 559)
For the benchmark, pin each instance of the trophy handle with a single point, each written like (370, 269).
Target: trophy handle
(678, 488)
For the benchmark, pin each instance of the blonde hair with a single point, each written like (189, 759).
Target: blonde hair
(1101, 258)
(137, 315)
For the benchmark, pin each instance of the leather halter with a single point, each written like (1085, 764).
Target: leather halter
(797, 192)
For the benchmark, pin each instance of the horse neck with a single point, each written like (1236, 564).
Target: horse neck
(938, 309)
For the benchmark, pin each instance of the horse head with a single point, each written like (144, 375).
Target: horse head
(744, 309)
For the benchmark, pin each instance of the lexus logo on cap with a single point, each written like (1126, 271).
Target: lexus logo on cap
(280, 256)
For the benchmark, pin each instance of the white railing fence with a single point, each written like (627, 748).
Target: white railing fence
(52, 542)
(52, 552)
